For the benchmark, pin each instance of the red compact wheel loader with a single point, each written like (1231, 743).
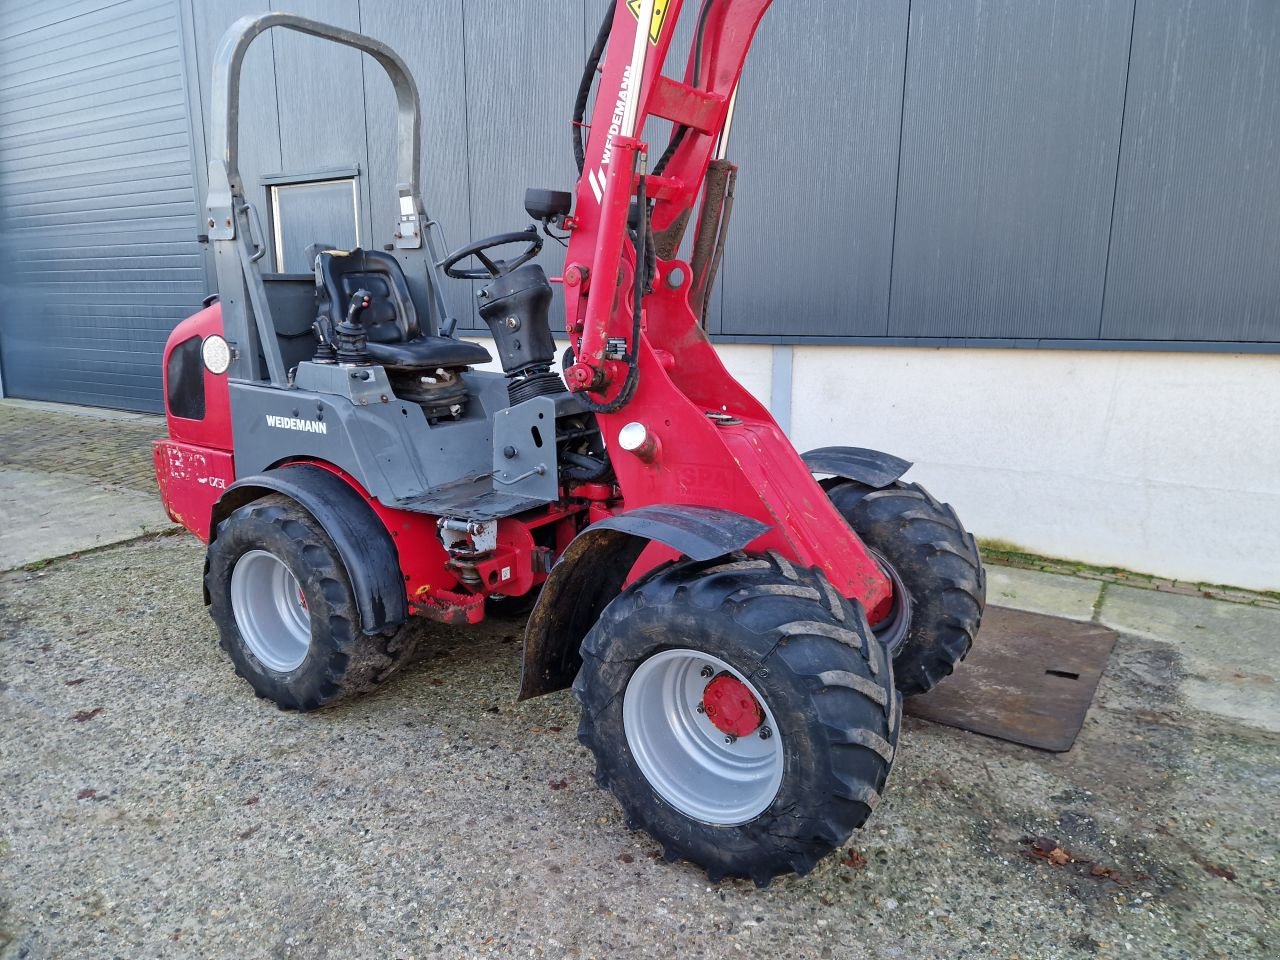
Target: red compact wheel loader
(738, 633)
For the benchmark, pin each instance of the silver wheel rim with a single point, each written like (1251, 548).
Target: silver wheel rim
(270, 611)
(684, 756)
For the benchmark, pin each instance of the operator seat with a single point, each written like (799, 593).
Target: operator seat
(396, 340)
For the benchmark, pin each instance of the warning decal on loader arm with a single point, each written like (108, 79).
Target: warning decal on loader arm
(659, 13)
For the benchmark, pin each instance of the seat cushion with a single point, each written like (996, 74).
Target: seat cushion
(427, 353)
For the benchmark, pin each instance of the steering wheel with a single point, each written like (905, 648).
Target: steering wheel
(493, 268)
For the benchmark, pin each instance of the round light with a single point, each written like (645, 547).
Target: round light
(216, 354)
(633, 436)
(636, 439)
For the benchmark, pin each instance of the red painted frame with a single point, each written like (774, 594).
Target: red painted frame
(749, 466)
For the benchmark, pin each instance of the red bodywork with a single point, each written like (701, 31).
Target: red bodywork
(741, 462)
(195, 464)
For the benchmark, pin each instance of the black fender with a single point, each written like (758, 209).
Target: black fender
(367, 550)
(591, 571)
(870, 467)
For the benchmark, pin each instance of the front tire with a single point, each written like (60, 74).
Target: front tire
(934, 562)
(286, 613)
(741, 712)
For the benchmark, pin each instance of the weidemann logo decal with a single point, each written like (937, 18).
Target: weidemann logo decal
(293, 423)
(596, 177)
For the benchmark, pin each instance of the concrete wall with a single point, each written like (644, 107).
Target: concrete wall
(1165, 463)
(1158, 462)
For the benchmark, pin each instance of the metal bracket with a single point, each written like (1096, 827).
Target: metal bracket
(408, 236)
(479, 536)
(524, 449)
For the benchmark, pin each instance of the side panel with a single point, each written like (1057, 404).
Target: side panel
(1195, 250)
(385, 445)
(98, 207)
(511, 49)
(809, 252)
(191, 479)
(213, 429)
(1010, 132)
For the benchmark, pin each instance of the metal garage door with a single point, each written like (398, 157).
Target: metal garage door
(97, 194)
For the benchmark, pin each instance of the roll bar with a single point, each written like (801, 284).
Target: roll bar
(233, 224)
(224, 165)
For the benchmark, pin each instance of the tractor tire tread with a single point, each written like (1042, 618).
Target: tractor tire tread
(356, 663)
(938, 560)
(850, 731)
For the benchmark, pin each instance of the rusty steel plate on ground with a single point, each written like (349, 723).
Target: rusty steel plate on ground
(1029, 679)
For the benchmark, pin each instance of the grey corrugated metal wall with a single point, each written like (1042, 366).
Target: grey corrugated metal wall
(97, 235)
(991, 172)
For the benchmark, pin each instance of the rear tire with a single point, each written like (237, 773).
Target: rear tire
(927, 550)
(761, 804)
(285, 611)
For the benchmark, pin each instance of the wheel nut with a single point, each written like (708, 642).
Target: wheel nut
(700, 708)
(765, 733)
(707, 672)
(730, 740)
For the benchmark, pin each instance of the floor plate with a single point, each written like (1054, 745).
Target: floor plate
(1029, 679)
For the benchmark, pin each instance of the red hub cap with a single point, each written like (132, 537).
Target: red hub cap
(731, 707)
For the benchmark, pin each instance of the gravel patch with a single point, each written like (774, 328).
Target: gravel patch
(154, 808)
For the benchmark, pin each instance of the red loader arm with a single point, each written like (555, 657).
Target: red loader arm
(681, 429)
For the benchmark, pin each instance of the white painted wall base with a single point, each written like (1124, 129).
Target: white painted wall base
(1164, 463)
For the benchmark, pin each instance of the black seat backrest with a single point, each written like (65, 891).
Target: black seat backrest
(390, 316)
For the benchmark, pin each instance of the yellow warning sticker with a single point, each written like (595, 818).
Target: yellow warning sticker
(659, 13)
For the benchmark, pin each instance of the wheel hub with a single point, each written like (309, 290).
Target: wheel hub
(270, 610)
(692, 762)
(731, 707)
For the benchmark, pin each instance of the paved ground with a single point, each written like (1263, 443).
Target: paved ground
(95, 445)
(153, 808)
(74, 480)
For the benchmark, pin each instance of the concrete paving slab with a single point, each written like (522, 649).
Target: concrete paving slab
(1034, 591)
(1228, 650)
(47, 515)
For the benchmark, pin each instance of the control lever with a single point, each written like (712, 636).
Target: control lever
(350, 338)
(359, 303)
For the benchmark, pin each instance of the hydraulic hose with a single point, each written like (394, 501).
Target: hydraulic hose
(589, 78)
(585, 85)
